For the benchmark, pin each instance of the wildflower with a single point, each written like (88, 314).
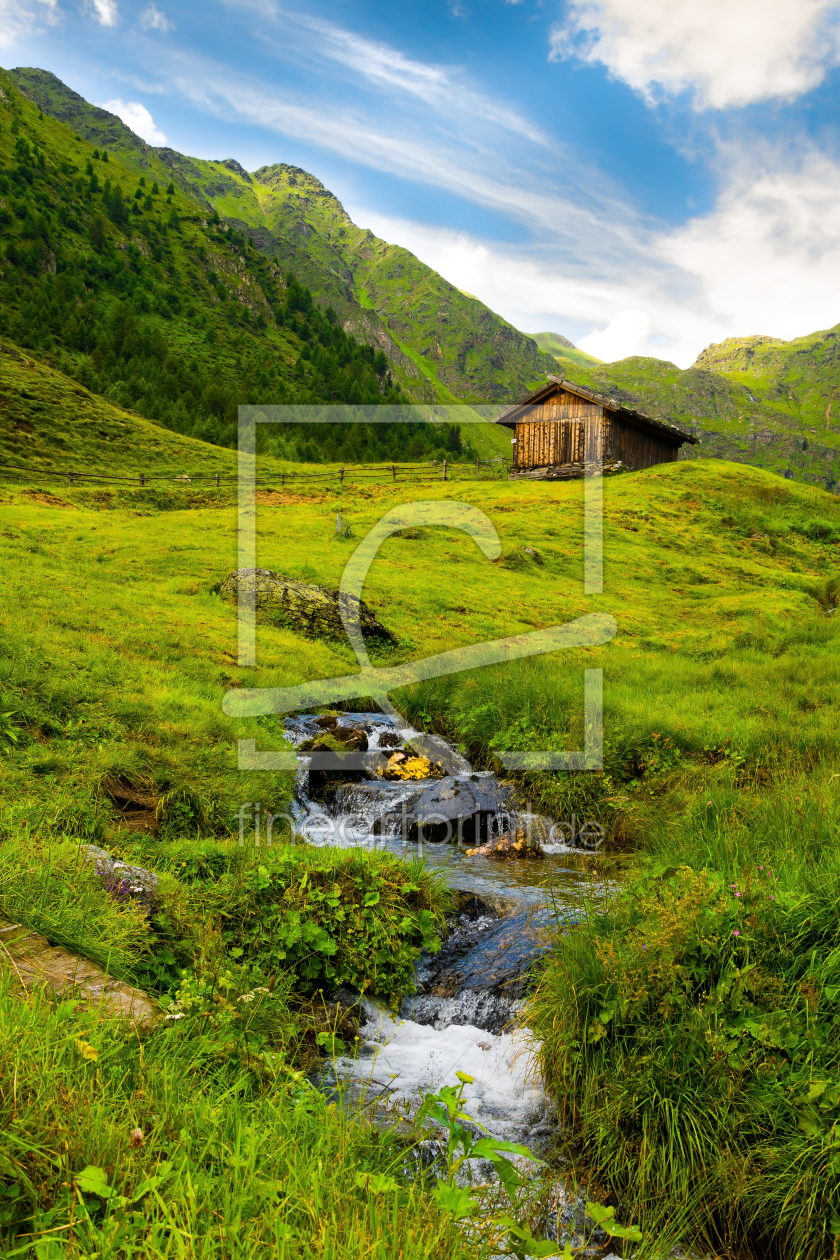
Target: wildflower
(245, 997)
(708, 802)
(736, 932)
(644, 947)
(737, 894)
(137, 1138)
(772, 898)
(761, 868)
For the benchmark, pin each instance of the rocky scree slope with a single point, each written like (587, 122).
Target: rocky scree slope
(443, 345)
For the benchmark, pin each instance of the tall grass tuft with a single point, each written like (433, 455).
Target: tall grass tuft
(691, 1034)
(164, 1150)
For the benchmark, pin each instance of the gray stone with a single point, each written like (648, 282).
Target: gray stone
(441, 807)
(305, 606)
(123, 881)
(35, 963)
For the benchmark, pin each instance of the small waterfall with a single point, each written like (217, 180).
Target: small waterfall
(469, 994)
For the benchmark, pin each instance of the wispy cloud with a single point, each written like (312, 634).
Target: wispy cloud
(151, 19)
(389, 69)
(105, 11)
(138, 118)
(484, 177)
(726, 52)
(19, 18)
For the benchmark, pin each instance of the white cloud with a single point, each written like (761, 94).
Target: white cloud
(627, 333)
(728, 52)
(106, 12)
(19, 18)
(138, 118)
(151, 19)
(765, 260)
(391, 70)
(768, 257)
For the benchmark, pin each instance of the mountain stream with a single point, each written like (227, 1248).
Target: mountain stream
(463, 1015)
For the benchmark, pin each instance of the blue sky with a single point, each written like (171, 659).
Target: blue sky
(642, 176)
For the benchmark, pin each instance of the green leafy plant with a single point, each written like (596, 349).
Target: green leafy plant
(8, 733)
(334, 918)
(446, 1108)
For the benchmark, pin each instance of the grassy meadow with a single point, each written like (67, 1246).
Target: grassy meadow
(689, 1034)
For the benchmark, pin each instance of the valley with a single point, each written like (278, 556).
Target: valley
(546, 1008)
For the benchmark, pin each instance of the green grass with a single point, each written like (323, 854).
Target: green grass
(560, 348)
(244, 1160)
(724, 661)
(721, 686)
(50, 421)
(691, 1031)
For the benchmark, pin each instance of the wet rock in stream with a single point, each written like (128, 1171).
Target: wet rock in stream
(482, 971)
(516, 843)
(458, 807)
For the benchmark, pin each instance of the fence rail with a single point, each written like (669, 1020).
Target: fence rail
(430, 471)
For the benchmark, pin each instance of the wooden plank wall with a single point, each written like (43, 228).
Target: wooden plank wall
(566, 429)
(558, 431)
(638, 447)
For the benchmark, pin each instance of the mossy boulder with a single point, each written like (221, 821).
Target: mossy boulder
(342, 739)
(313, 610)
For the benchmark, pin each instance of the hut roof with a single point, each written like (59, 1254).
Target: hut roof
(510, 416)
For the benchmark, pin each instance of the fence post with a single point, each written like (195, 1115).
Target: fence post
(394, 471)
(217, 478)
(142, 479)
(444, 470)
(282, 479)
(70, 478)
(341, 474)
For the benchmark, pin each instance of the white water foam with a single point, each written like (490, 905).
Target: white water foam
(400, 1061)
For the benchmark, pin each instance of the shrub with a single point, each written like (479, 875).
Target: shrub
(333, 917)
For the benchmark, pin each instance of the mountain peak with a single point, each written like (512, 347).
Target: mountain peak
(280, 176)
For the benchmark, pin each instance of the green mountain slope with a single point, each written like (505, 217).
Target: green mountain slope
(443, 345)
(559, 347)
(753, 400)
(142, 296)
(50, 422)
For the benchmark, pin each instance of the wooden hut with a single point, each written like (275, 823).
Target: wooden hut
(561, 427)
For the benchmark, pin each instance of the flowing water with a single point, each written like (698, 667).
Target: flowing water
(462, 1017)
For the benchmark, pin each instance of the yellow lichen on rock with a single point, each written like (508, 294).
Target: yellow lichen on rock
(400, 766)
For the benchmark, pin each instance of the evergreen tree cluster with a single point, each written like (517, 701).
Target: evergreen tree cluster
(135, 293)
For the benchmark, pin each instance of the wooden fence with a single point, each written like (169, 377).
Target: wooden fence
(433, 471)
